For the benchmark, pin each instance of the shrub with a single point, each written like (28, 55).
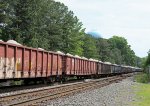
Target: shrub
(142, 78)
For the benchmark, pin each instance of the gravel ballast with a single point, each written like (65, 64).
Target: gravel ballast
(116, 94)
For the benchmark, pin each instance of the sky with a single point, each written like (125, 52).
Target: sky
(127, 18)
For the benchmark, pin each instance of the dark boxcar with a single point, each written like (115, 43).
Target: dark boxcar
(106, 68)
(117, 69)
(138, 69)
(125, 69)
(112, 68)
(132, 69)
(99, 70)
(128, 69)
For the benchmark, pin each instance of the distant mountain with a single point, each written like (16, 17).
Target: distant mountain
(95, 34)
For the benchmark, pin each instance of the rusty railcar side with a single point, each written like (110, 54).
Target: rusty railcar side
(85, 68)
(93, 66)
(18, 61)
(70, 65)
(76, 66)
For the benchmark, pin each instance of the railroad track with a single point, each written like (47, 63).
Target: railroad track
(39, 96)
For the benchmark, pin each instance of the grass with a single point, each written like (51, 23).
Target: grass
(142, 90)
(142, 78)
(16, 82)
(143, 95)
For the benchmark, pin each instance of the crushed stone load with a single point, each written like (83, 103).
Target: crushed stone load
(14, 42)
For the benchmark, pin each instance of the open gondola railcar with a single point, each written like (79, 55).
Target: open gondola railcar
(20, 62)
(93, 66)
(106, 68)
(79, 66)
(99, 67)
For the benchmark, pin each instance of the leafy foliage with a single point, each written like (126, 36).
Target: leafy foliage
(103, 48)
(148, 59)
(50, 25)
(142, 78)
(116, 50)
(43, 23)
(128, 55)
(89, 47)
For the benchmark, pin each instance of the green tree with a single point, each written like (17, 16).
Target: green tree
(23, 15)
(6, 14)
(52, 26)
(3, 17)
(43, 23)
(148, 59)
(115, 56)
(103, 48)
(139, 61)
(89, 47)
(127, 54)
(65, 30)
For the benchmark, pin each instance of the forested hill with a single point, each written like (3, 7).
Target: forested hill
(51, 25)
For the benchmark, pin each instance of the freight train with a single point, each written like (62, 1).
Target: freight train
(18, 62)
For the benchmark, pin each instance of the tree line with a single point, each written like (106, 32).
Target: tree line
(52, 26)
(146, 61)
(115, 50)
